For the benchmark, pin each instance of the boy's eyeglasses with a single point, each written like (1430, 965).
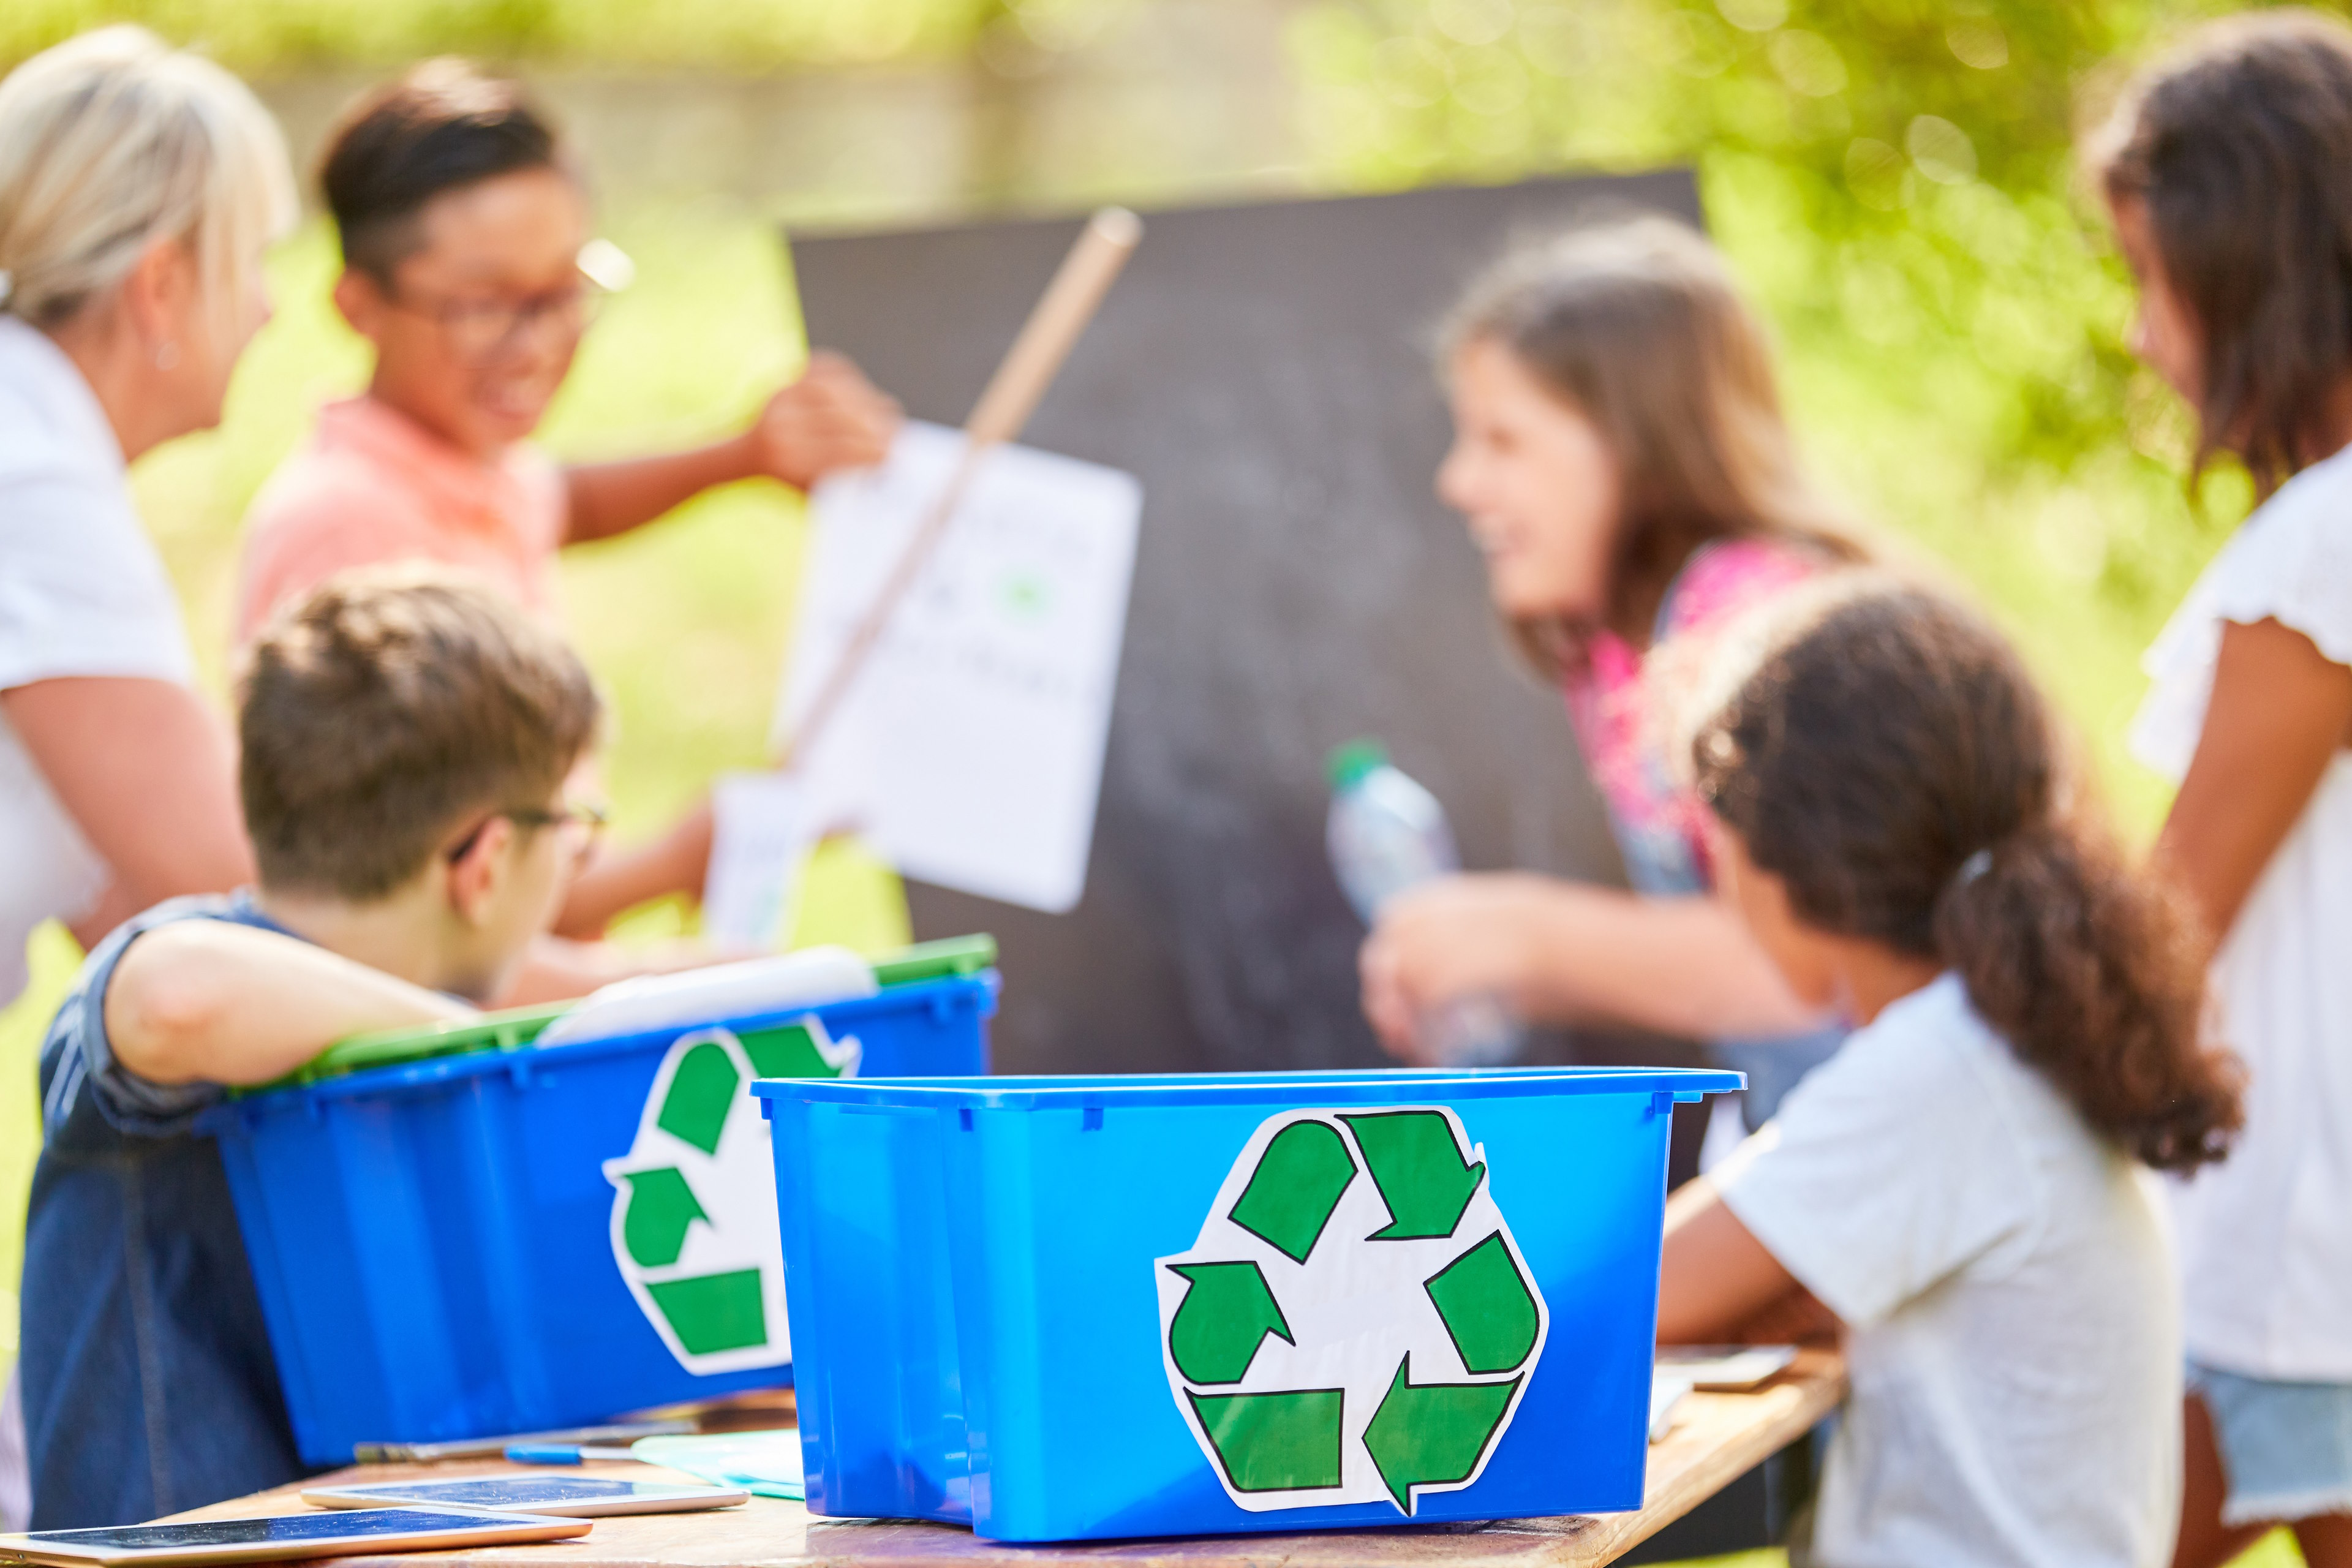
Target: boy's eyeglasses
(479, 327)
(588, 821)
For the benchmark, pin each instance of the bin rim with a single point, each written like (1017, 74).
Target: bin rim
(431, 1066)
(1379, 1085)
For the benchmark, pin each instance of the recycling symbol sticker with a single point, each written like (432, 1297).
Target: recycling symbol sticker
(1355, 1323)
(694, 1204)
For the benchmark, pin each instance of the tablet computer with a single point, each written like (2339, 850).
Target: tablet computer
(277, 1537)
(574, 1495)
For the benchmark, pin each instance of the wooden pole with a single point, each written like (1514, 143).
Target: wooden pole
(1028, 369)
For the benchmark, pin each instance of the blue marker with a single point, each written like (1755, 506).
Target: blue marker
(561, 1453)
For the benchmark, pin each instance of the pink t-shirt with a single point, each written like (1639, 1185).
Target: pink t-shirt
(1659, 826)
(371, 486)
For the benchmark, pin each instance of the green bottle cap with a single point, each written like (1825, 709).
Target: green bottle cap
(1348, 764)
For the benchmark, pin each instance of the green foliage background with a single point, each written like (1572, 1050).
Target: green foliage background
(280, 37)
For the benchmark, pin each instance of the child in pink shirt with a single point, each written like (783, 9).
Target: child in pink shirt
(1621, 459)
(371, 485)
(467, 265)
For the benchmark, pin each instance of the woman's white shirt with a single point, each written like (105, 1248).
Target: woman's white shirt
(2007, 1282)
(2266, 1236)
(82, 593)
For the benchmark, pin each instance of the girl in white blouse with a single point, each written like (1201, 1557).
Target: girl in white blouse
(2229, 174)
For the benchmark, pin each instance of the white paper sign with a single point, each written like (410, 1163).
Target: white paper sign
(969, 751)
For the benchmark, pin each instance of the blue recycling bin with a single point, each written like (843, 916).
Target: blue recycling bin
(1075, 1308)
(456, 1233)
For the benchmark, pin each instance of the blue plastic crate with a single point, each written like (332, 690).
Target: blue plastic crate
(436, 1244)
(1074, 1307)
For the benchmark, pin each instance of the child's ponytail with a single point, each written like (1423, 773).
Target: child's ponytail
(1892, 763)
(2087, 972)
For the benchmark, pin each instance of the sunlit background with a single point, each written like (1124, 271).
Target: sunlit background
(1892, 180)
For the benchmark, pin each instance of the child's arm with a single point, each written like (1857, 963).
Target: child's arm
(831, 418)
(207, 1001)
(100, 741)
(619, 880)
(2279, 713)
(1572, 952)
(1714, 1277)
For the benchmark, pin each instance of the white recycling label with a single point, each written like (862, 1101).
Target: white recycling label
(694, 1205)
(1355, 1323)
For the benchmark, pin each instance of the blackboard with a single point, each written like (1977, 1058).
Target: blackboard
(1267, 372)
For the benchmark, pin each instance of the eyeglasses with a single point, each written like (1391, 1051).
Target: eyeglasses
(586, 821)
(481, 326)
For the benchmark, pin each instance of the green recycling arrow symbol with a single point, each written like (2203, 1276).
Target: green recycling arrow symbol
(1419, 1168)
(1299, 1181)
(1333, 1342)
(1275, 1442)
(701, 1092)
(1432, 1432)
(661, 1210)
(1486, 1307)
(1226, 1315)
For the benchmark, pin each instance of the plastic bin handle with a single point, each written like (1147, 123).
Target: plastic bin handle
(506, 1031)
(936, 959)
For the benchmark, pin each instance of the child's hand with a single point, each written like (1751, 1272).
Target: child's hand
(831, 418)
(1459, 936)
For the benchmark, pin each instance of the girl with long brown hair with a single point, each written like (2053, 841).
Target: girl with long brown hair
(1621, 461)
(1966, 1185)
(2228, 171)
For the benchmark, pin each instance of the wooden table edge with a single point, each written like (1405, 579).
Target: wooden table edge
(1716, 1439)
(1808, 1391)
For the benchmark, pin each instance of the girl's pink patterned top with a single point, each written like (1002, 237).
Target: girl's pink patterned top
(1658, 825)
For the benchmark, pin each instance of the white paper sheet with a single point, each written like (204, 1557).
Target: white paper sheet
(760, 828)
(969, 751)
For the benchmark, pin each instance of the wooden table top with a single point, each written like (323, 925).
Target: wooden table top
(1716, 1439)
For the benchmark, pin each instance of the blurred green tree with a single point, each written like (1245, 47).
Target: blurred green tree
(267, 37)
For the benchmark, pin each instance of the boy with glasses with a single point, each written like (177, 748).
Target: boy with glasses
(407, 744)
(468, 265)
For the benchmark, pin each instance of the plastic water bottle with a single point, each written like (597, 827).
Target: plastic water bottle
(1387, 834)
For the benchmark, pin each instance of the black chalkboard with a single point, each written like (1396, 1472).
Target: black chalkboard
(1266, 371)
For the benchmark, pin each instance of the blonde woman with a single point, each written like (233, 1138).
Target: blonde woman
(139, 187)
